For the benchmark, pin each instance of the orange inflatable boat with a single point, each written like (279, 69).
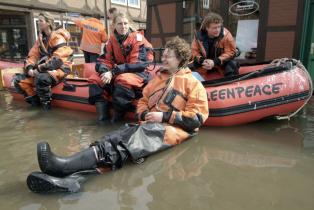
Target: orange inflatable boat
(279, 89)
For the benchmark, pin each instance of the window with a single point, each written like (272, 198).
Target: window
(76, 36)
(57, 24)
(75, 32)
(134, 3)
(206, 4)
(123, 2)
(13, 36)
(131, 3)
(243, 21)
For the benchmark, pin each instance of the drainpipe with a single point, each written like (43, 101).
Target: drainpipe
(105, 16)
(197, 14)
(304, 29)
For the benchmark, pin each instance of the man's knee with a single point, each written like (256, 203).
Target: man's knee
(122, 98)
(231, 68)
(44, 79)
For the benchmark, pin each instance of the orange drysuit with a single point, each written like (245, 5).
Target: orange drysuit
(181, 98)
(221, 50)
(50, 56)
(94, 34)
(183, 101)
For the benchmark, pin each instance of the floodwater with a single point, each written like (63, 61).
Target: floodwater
(263, 165)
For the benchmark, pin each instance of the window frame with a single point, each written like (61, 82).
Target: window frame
(36, 29)
(75, 55)
(127, 3)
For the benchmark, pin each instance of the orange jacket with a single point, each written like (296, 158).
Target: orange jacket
(94, 34)
(182, 99)
(51, 53)
(225, 47)
(133, 55)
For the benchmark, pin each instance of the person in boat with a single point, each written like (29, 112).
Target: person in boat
(214, 47)
(120, 71)
(47, 63)
(173, 107)
(94, 34)
(110, 15)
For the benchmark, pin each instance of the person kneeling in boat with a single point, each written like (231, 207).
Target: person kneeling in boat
(120, 71)
(48, 62)
(173, 107)
(213, 47)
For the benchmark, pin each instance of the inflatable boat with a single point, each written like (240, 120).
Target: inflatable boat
(10, 67)
(279, 89)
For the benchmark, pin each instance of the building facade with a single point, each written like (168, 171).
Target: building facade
(19, 21)
(264, 29)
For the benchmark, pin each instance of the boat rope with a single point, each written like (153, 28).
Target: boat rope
(297, 63)
(246, 76)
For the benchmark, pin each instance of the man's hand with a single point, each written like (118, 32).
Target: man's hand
(154, 116)
(106, 77)
(208, 64)
(54, 72)
(32, 73)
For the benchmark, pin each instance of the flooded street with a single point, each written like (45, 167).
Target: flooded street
(263, 165)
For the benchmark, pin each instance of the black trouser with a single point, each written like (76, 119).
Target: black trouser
(134, 141)
(122, 97)
(43, 83)
(231, 68)
(90, 57)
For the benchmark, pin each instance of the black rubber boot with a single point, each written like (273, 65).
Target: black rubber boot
(33, 100)
(117, 117)
(54, 165)
(39, 182)
(46, 105)
(102, 109)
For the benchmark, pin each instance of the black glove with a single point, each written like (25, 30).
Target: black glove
(101, 68)
(53, 64)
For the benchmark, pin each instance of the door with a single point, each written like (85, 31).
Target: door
(310, 42)
(307, 46)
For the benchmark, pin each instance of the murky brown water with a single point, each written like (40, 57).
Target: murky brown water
(264, 165)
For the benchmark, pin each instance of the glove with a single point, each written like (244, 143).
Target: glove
(53, 64)
(101, 68)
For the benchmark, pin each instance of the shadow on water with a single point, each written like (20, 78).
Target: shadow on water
(263, 165)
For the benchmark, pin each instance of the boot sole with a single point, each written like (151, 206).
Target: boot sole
(39, 183)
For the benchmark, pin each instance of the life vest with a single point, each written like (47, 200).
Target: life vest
(134, 49)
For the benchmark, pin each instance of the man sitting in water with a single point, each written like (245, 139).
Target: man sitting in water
(213, 47)
(173, 107)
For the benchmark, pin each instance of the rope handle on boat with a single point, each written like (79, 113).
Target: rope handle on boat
(298, 63)
(66, 80)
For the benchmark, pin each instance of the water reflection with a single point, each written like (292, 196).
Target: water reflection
(263, 165)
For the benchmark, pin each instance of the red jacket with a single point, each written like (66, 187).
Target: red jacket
(133, 55)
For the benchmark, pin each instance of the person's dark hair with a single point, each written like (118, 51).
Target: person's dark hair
(181, 49)
(49, 19)
(112, 10)
(211, 18)
(97, 16)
